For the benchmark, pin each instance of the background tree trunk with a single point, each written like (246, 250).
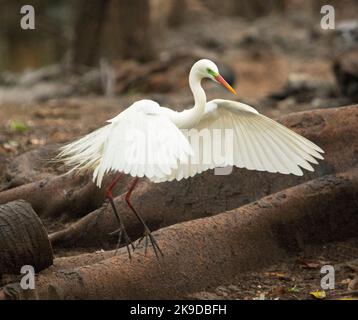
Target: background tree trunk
(89, 18)
(117, 28)
(135, 36)
(177, 13)
(257, 8)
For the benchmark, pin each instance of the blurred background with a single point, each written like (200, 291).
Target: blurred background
(88, 60)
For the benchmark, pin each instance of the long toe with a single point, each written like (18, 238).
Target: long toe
(154, 243)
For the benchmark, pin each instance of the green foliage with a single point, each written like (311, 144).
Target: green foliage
(18, 126)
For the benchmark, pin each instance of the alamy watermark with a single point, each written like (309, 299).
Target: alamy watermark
(27, 281)
(27, 21)
(328, 280)
(328, 20)
(207, 148)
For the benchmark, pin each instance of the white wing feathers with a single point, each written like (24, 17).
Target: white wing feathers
(143, 142)
(85, 153)
(259, 143)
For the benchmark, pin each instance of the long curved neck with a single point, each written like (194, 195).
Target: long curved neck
(188, 118)
(198, 93)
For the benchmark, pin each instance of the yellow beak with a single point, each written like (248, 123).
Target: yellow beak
(221, 80)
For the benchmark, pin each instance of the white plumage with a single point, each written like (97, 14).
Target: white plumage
(259, 143)
(152, 141)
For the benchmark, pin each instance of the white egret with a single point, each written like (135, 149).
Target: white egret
(258, 143)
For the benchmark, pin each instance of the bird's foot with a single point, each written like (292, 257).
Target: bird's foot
(122, 235)
(148, 237)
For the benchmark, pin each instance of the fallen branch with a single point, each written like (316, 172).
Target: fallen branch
(204, 253)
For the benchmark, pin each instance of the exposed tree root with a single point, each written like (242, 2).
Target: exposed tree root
(52, 196)
(81, 260)
(207, 252)
(335, 130)
(23, 239)
(31, 166)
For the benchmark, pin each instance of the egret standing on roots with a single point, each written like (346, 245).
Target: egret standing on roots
(258, 143)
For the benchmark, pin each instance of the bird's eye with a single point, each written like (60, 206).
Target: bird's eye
(211, 72)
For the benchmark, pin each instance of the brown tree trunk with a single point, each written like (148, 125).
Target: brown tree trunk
(177, 13)
(257, 8)
(87, 31)
(113, 29)
(135, 34)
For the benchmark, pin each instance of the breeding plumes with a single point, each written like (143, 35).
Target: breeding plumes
(147, 140)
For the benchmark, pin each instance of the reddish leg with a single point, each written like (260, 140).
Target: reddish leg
(147, 233)
(112, 185)
(122, 231)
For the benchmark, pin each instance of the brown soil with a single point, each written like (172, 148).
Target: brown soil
(295, 278)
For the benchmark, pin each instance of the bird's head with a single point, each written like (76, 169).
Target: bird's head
(205, 68)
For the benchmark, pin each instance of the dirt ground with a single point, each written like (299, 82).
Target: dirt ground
(265, 58)
(297, 277)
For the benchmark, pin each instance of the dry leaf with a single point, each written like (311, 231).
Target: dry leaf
(353, 284)
(278, 291)
(318, 294)
(276, 274)
(308, 264)
(312, 265)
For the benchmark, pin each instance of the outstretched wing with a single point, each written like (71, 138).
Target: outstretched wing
(256, 141)
(84, 153)
(141, 141)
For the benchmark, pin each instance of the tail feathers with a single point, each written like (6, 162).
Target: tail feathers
(84, 153)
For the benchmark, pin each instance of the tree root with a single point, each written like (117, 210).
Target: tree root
(52, 196)
(204, 253)
(23, 239)
(32, 166)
